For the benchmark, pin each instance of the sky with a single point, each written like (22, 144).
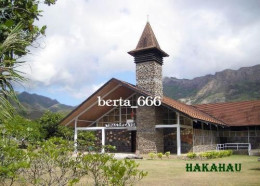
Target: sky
(87, 41)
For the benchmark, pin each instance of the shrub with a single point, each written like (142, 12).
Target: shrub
(167, 154)
(152, 155)
(50, 123)
(104, 169)
(53, 156)
(123, 172)
(160, 155)
(216, 154)
(23, 130)
(12, 160)
(208, 155)
(191, 155)
(52, 163)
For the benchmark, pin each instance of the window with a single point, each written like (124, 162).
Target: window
(114, 115)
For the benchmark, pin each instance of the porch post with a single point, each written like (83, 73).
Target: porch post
(178, 135)
(75, 135)
(248, 135)
(103, 140)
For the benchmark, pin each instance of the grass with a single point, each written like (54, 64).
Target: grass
(172, 172)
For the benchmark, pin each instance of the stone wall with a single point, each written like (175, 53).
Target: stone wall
(203, 148)
(121, 139)
(149, 77)
(149, 139)
(204, 140)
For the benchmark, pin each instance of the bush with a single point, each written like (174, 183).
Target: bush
(152, 155)
(160, 155)
(12, 160)
(50, 123)
(53, 156)
(216, 154)
(123, 172)
(227, 153)
(52, 163)
(191, 155)
(167, 154)
(104, 169)
(23, 130)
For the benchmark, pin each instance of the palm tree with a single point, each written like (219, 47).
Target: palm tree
(16, 42)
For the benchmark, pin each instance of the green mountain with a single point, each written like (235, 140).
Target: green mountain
(224, 86)
(35, 105)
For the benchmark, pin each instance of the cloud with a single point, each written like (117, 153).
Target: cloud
(87, 41)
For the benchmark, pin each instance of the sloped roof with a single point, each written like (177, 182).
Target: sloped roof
(243, 113)
(123, 89)
(188, 110)
(148, 38)
(148, 41)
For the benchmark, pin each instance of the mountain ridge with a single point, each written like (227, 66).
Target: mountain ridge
(35, 105)
(226, 85)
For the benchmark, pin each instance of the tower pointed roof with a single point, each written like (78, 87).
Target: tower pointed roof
(148, 41)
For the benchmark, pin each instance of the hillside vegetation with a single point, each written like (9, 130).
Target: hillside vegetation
(227, 85)
(35, 105)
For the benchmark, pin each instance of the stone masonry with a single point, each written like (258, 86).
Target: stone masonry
(149, 139)
(121, 139)
(149, 59)
(149, 77)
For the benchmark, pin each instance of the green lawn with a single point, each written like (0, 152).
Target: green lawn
(173, 172)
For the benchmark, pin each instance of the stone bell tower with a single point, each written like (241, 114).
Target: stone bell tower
(148, 57)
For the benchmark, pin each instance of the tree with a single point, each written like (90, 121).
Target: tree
(12, 161)
(15, 41)
(17, 32)
(50, 123)
(23, 130)
(14, 12)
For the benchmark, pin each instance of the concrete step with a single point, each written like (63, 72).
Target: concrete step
(254, 152)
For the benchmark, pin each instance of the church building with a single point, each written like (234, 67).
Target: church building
(139, 118)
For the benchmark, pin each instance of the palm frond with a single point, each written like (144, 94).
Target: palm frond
(15, 42)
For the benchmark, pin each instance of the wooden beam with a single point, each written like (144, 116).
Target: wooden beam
(85, 110)
(111, 111)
